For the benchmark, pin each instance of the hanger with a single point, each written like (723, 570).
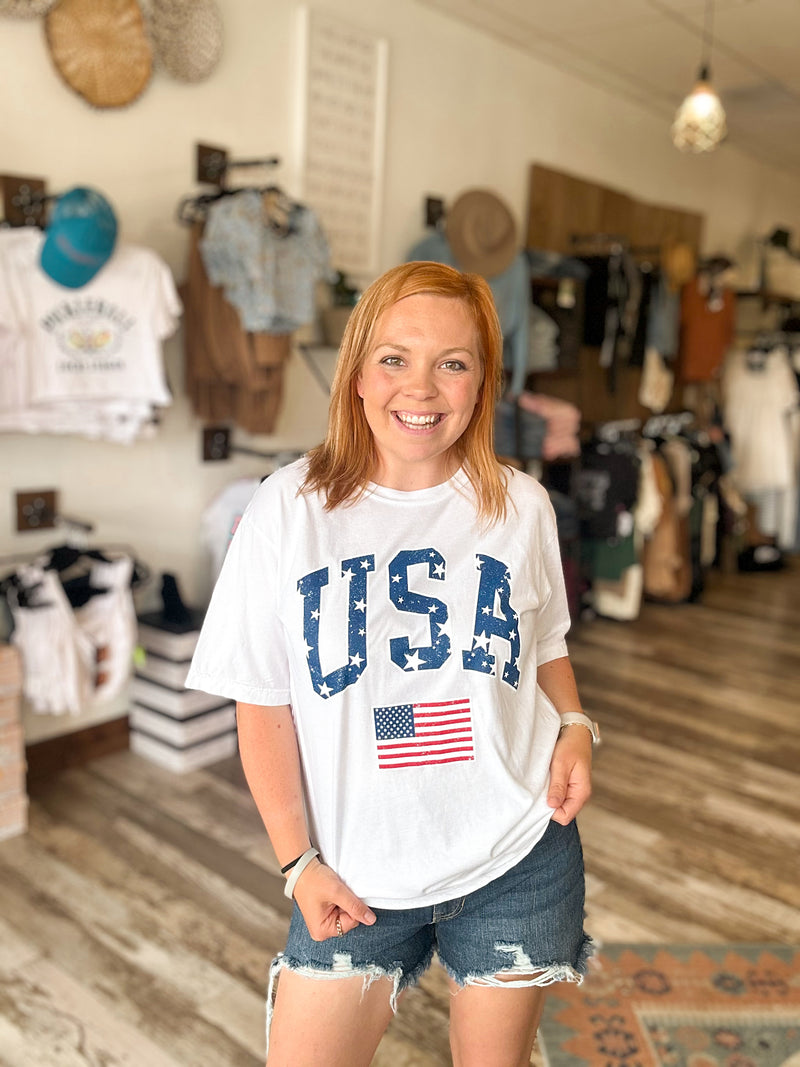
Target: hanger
(278, 207)
(616, 430)
(668, 425)
(212, 166)
(73, 565)
(599, 244)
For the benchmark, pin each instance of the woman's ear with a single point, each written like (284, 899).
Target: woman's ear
(359, 387)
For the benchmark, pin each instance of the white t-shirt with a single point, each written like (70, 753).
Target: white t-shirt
(757, 405)
(406, 640)
(219, 520)
(100, 341)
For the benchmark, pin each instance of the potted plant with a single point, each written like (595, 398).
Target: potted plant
(344, 297)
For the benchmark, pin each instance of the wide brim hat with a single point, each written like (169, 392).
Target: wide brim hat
(80, 237)
(25, 9)
(101, 50)
(187, 37)
(679, 264)
(481, 232)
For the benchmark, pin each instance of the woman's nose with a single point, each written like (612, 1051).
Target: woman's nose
(420, 381)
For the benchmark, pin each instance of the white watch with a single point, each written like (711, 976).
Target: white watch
(570, 718)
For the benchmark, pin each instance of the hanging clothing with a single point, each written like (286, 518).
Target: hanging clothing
(562, 422)
(544, 346)
(220, 519)
(664, 318)
(230, 373)
(759, 397)
(612, 300)
(74, 657)
(269, 274)
(666, 562)
(708, 327)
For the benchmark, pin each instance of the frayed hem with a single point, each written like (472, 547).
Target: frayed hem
(342, 967)
(529, 974)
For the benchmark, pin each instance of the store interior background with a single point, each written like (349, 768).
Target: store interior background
(464, 109)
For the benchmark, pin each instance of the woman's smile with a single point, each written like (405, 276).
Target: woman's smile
(418, 422)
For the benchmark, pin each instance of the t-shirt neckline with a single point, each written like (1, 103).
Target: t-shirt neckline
(457, 481)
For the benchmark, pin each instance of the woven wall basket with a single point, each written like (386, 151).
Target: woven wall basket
(187, 37)
(25, 9)
(101, 50)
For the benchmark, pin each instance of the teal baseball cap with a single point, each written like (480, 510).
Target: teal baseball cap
(79, 238)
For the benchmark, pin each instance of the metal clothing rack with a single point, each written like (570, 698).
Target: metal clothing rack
(211, 168)
(613, 244)
(217, 445)
(668, 425)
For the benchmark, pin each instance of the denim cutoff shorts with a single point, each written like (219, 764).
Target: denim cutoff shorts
(526, 923)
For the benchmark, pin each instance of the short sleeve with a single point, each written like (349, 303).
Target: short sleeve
(241, 651)
(167, 307)
(553, 620)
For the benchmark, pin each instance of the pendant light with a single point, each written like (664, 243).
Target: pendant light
(699, 123)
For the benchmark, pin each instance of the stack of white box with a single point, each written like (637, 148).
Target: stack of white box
(13, 791)
(181, 729)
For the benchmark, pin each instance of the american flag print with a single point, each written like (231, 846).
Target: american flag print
(413, 735)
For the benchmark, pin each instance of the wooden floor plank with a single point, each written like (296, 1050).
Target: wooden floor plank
(139, 914)
(49, 1019)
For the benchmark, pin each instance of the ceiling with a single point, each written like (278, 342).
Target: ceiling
(649, 51)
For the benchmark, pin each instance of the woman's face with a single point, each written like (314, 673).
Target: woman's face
(420, 382)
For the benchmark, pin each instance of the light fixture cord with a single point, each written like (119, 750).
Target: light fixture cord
(708, 30)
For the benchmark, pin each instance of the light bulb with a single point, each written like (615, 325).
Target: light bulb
(699, 123)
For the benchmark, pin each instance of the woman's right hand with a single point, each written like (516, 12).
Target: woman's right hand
(323, 898)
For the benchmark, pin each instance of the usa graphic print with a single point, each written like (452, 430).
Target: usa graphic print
(414, 735)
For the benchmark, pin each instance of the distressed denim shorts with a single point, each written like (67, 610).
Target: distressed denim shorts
(526, 923)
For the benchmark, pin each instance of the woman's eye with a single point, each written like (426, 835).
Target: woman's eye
(454, 364)
(392, 361)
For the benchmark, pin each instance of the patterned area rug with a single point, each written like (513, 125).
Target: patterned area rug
(678, 1006)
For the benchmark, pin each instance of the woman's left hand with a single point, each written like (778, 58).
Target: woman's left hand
(570, 774)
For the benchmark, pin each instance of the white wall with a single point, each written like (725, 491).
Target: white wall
(463, 110)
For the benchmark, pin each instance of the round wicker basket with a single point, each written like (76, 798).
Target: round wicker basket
(101, 50)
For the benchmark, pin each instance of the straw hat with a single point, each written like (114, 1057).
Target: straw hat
(679, 263)
(25, 9)
(101, 50)
(480, 230)
(187, 37)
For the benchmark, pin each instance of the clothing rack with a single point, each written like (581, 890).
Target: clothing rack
(217, 445)
(614, 243)
(616, 429)
(668, 425)
(141, 570)
(211, 167)
(212, 163)
(193, 209)
(766, 340)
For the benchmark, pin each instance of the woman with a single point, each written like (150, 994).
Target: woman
(390, 619)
